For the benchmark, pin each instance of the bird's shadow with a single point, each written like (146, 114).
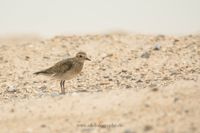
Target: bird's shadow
(86, 91)
(74, 92)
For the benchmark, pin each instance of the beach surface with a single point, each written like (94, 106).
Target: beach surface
(135, 83)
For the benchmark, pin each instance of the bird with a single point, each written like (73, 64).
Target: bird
(65, 69)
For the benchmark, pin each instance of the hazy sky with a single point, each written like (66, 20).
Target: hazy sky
(50, 17)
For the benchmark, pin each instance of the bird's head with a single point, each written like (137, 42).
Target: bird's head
(82, 56)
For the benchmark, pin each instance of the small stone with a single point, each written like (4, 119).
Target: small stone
(176, 99)
(20, 77)
(54, 94)
(128, 86)
(35, 82)
(12, 110)
(106, 77)
(103, 69)
(11, 88)
(176, 41)
(63, 46)
(40, 94)
(128, 131)
(139, 81)
(110, 79)
(79, 84)
(128, 77)
(45, 57)
(153, 85)
(155, 89)
(82, 90)
(27, 58)
(160, 37)
(1, 58)
(147, 105)
(43, 125)
(148, 128)
(186, 111)
(145, 55)
(43, 87)
(86, 130)
(104, 83)
(124, 71)
(157, 47)
(99, 90)
(166, 78)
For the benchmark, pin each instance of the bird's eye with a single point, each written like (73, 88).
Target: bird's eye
(80, 56)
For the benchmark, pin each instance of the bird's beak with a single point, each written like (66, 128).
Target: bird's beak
(87, 59)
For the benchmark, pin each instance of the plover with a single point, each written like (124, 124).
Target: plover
(66, 69)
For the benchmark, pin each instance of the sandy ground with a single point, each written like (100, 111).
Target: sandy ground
(134, 83)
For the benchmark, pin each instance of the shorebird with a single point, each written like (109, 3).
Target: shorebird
(66, 69)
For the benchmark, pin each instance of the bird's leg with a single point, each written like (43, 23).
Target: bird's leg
(63, 84)
(62, 88)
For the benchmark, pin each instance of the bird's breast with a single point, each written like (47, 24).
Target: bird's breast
(76, 69)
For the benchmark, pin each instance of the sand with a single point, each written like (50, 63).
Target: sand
(135, 83)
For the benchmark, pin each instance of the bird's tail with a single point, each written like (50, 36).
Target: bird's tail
(40, 72)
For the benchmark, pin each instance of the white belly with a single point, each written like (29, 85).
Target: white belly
(69, 75)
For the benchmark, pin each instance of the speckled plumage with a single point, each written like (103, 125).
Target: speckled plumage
(66, 69)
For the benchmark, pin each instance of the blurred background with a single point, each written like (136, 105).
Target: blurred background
(53, 17)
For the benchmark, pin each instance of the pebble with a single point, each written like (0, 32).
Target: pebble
(43, 125)
(40, 94)
(11, 88)
(157, 47)
(106, 77)
(12, 110)
(128, 77)
(27, 58)
(155, 89)
(175, 41)
(148, 128)
(45, 57)
(160, 37)
(166, 78)
(139, 81)
(128, 131)
(43, 87)
(104, 83)
(145, 55)
(110, 79)
(54, 94)
(128, 86)
(124, 71)
(176, 99)
(86, 130)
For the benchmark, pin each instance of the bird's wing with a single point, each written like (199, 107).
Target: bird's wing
(60, 67)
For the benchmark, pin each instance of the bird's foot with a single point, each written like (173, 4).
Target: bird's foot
(62, 93)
